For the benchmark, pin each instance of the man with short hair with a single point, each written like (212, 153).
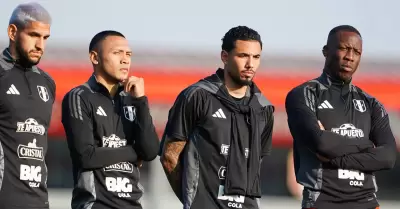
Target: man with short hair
(109, 129)
(218, 131)
(341, 134)
(27, 95)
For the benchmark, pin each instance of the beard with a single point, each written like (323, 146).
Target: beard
(23, 58)
(238, 81)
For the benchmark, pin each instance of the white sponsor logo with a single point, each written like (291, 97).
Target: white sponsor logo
(120, 167)
(224, 149)
(349, 130)
(130, 113)
(235, 201)
(356, 178)
(120, 185)
(359, 105)
(30, 125)
(43, 93)
(30, 151)
(222, 172)
(32, 174)
(113, 141)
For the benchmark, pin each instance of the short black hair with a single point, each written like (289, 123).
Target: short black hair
(99, 37)
(347, 28)
(242, 33)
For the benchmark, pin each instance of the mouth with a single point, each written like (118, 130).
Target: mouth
(247, 73)
(125, 70)
(347, 68)
(36, 53)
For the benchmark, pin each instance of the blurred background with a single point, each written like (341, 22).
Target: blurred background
(178, 42)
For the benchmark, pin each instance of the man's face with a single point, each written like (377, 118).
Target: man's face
(243, 61)
(115, 57)
(30, 42)
(344, 54)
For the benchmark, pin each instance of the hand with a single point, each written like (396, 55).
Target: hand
(322, 159)
(321, 126)
(135, 86)
(139, 163)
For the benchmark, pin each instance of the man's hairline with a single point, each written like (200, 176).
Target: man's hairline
(97, 47)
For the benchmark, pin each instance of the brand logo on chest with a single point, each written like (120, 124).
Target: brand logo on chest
(43, 93)
(359, 105)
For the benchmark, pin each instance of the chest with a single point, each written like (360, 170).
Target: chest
(219, 123)
(26, 95)
(347, 115)
(114, 121)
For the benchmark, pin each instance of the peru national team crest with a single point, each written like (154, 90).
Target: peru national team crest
(130, 113)
(359, 105)
(43, 93)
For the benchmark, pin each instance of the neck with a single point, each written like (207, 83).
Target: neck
(334, 78)
(111, 86)
(235, 90)
(13, 51)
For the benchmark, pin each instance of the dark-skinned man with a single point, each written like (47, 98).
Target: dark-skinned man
(341, 134)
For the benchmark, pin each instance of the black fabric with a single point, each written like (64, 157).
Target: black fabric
(106, 136)
(241, 180)
(26, 101)
(357, 140)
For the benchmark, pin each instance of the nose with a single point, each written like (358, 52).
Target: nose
(250, 63)
(40, 44)
(125, 59)
(349, 55)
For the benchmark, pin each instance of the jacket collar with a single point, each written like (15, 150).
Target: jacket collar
(100, 88)
(6, 56)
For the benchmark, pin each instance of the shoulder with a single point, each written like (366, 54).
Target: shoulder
(192, 93)
(372, 101)
(47, 77)
(81, 93)
(308, 87)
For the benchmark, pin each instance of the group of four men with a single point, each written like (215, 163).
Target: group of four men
(219, 129)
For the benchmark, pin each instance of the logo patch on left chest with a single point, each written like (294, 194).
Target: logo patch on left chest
(359, 105)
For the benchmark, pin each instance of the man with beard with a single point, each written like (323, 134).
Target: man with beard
(26, 99)
(218, 131)
(341, 134)
(109, 128)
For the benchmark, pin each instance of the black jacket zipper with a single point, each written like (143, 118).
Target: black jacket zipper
(27, 82)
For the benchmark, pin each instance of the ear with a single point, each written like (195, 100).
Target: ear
(325, 51)
(12, 32)
(94, 57)
(224, 57)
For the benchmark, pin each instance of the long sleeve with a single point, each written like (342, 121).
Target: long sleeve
(266, 136)
(146, 138)
(303, 125)
(77, 122)
(383, 156)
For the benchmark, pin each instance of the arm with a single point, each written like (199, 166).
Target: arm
(170, 160)
(146, 139)
(266, 136)
(383, 156)
(303, 125)
(78, 127)
(182, 119)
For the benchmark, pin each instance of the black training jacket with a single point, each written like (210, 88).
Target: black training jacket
(26, 101)
(106, 136)
(204, 122)
(357, 138)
